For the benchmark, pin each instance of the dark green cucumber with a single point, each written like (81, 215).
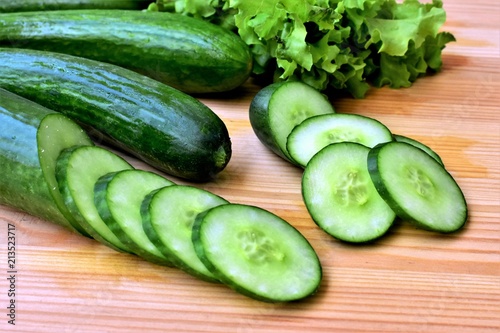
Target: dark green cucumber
(189, 54)
(166, 128)
(22, 182)
(34, 5)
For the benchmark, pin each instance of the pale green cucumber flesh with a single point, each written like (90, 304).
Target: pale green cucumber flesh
(316, 132)
(77, 171)
(118, 197)
(418, 144)
(256, 253)
(279, 107)
(417, 187)
(168, 218)
(56, 133)
(340, 196)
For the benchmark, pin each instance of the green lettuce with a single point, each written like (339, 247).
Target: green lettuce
(343, 45)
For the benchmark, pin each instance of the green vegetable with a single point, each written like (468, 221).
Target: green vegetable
(340, 196)
(256, 253)
(77, 170)
(314, 133)
(26, 133)
(118, 197)
(185, 53)
(417, 187)
(168, 216)
(340, 44)
(34, 5)
(166, 128)
(279, 107)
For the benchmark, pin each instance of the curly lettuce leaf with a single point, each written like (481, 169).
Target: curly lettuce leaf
(347, 45)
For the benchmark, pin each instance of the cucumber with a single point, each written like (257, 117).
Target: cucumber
(22, 183)
(164, 127)
(340, 196)
(256, 253)
(315, 133)
(186, 53)
(417, 187)
(36, 5)
(418, 144)
(55, 133)
(168, 217)
(77, 171)
(277, 108)
(118, 197)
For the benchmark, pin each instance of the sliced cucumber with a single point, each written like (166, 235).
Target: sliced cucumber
(418, 144)
(279, 107)
(256, 253)
(340, 196)
(77, 171)
(314, 133)
(118, 197)
(56, 133)
(168, 218)
(417, 187)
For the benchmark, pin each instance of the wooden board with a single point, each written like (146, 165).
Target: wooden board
(408, 281)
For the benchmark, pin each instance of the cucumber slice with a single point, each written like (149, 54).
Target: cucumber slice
(256, 253)
(77, 171)
(118, 197)
(418, 144)
(56, 133)
(417, 187)
(314, 133)
(340, 196)
(168, 218)
(279, 107)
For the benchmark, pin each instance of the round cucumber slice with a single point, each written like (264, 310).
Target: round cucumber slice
(256, 253)
(118, 197)
(168, 216)
(417, 187)
(340, 196)
(316, 132)
(279, 107)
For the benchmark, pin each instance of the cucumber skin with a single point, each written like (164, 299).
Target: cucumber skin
(191, 55)
(259, 119)
(35, 5)
(22, 183)
(164, 127)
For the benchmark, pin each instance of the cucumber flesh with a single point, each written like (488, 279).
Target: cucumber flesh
(340, 196)
(314, 133)
(56, 133)
(279, 107)
(418, 144)
(77, 171)
(118, 197)
(168, 218)
(417, 187)
(256, 253)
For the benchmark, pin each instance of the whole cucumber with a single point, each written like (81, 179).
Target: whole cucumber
(168, 129)
(34, 5)
(189, 54)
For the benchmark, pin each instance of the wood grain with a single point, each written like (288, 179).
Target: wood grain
(408, 281)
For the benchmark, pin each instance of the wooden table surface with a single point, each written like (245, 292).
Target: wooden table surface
(408, 281)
